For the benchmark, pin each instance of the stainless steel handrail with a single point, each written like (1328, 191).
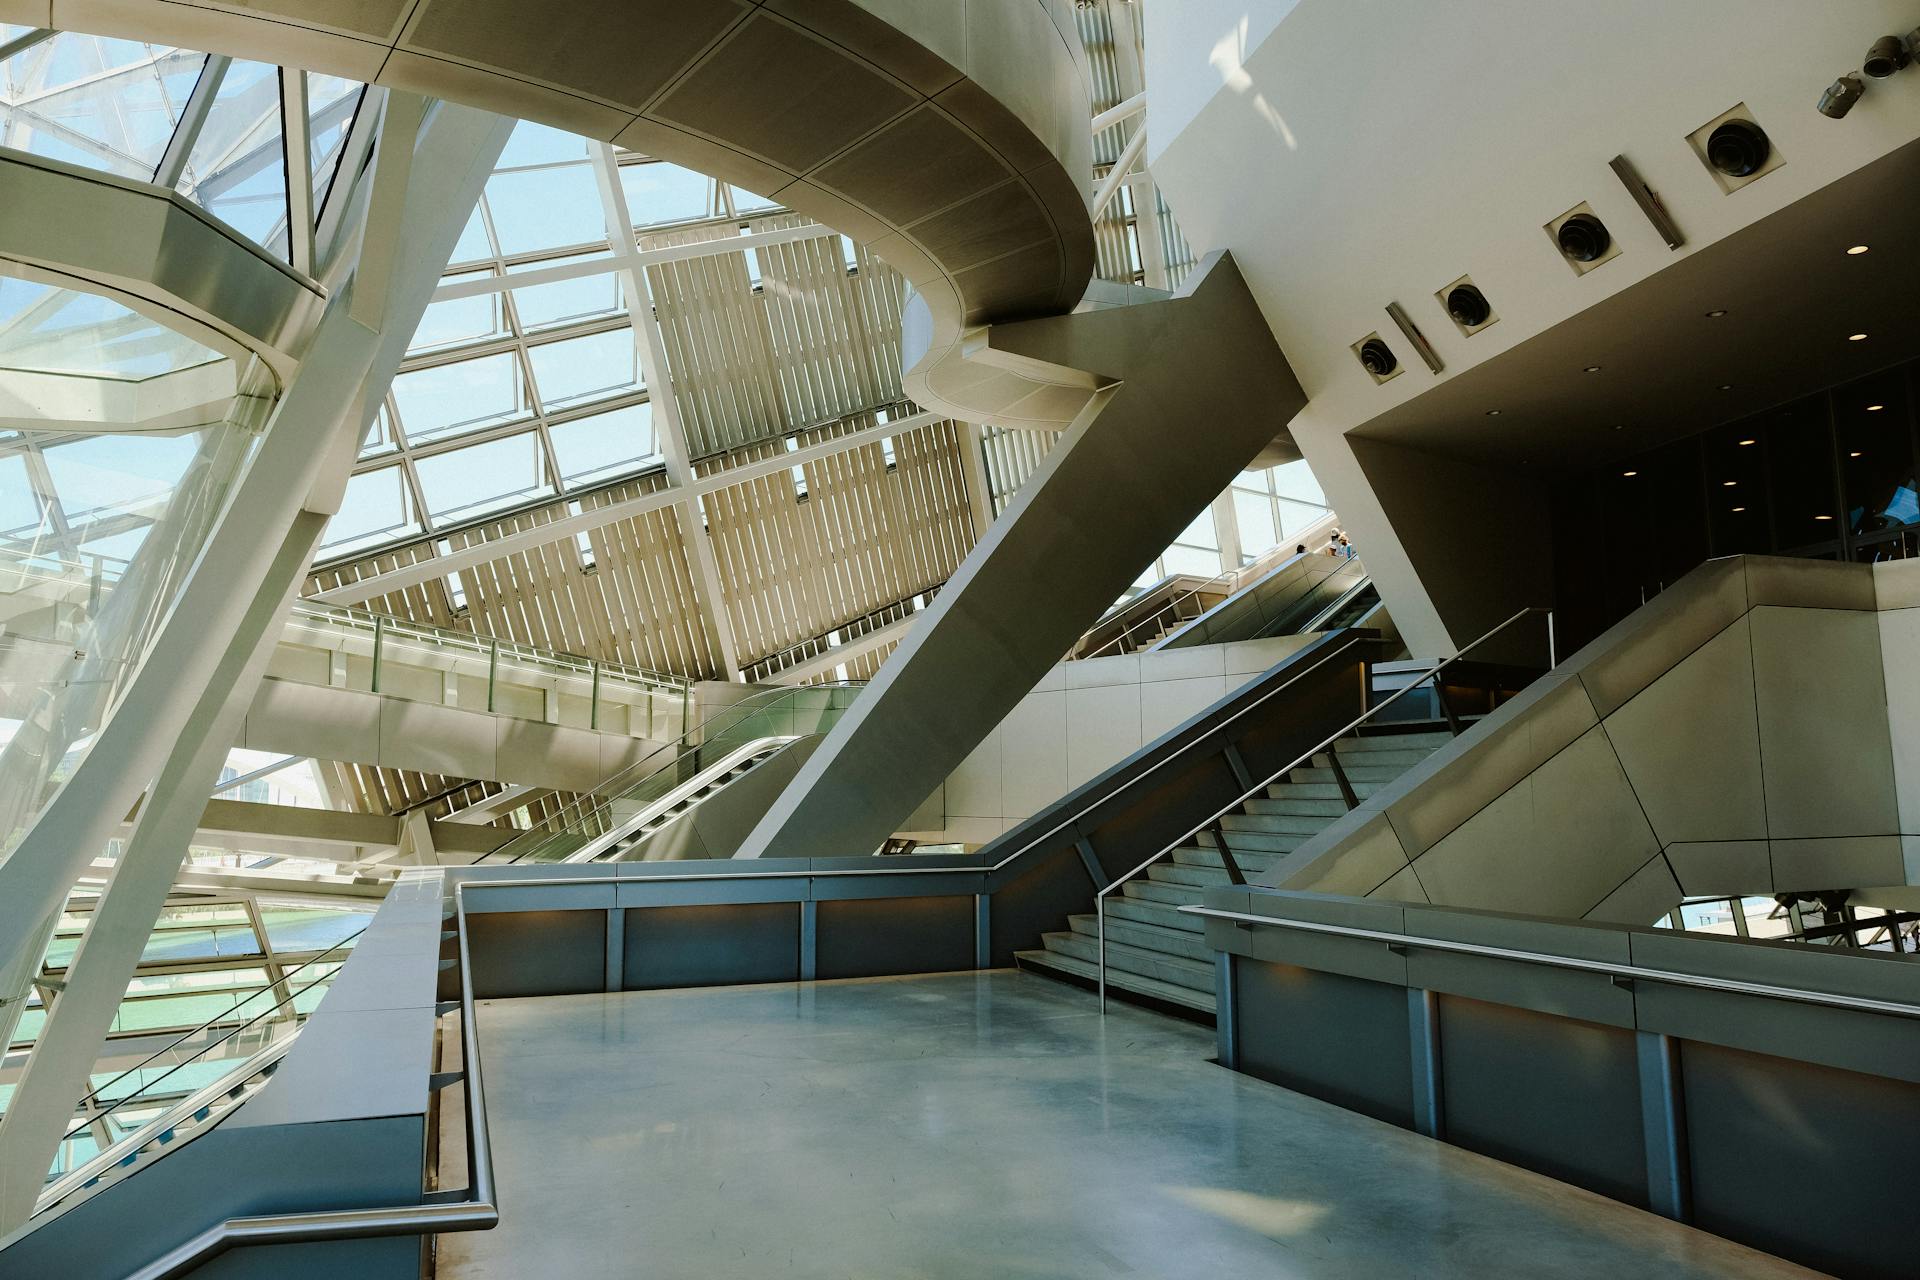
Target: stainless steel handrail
(1253, 574)
(106, 1159)
(1672, 977)
(1100, 898)
(479, 1212)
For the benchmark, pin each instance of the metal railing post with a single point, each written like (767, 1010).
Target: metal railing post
(493, 670)
(379, 639)
(593, 698)
(1553, 656)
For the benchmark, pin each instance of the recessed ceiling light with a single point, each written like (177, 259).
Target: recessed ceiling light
(1857, 250)
(1493, 413)
(1875, 408)
(1856, 337)
(1748, 442)
(1629, 473)
(1592, 368)
(1823, 517)
(1739, 509)
(1716, 313)
(1854, 454)
(1619, 426)
(1728, 484)
(1726, 386)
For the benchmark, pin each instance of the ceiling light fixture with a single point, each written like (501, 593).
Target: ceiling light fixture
(1592, 368)
(1856, 251)
(1823, 517)
(1493, 413)
(1737, 510)
(1854, 454)
(1629, 474)
(1856, 337)
(1728, 484)
(1744, 443)
(1875, 408)
(1726, 386)
(1716, 314)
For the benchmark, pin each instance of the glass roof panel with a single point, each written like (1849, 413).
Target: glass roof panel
(48, 329)
(105, 104)
(237, 168)
(602, 445)
(376, 508)
(535, 209)
(586, 368)
(452, 398)
(491, 476)
(659, 193)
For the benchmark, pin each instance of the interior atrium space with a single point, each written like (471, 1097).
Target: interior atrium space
(1030, 638)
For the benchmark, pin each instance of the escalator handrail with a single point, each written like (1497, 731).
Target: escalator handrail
(1309, 586)
(626, 779)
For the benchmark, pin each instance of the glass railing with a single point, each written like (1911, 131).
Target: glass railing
(770, 713)
(128, 1102)
(354, 649)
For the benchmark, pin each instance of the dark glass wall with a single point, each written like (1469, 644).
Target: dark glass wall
(1830, 476)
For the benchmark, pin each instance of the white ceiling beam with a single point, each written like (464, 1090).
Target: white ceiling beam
(555, 530)
(1115, 114)
(640, 258)
(823, 663)
(297, 150)
(1110, 185)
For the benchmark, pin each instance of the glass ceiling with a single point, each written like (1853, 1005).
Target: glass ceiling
(47, 329)
(523, 393)
(117, 106)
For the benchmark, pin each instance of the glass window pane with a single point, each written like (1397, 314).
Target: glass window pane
(659, 193)
(20, 512)
(1192, 560)
(483, 478)
(376, 508)
(745, 201)
(1296, 480)
(1255, 514)
(473, 245)
(1201, 533)
(102, 104)
(591, 449)
(588, 368)
(1875, 439)
(1738, 512)
(1800, 469)
(460, 320)
(332, 103)
(96, 476)
(452, 398)
(537, 209)
(237, 170)
(541, 306)
(533, 143)
(298, 928)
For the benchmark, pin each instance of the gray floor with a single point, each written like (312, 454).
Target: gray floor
(986, 1125)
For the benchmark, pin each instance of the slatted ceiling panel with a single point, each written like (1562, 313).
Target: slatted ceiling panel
(1111, 258)
(1097, 36)
(1011, 457)
(824, 333)
(427, 602)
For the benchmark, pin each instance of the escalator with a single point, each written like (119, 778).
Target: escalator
(619, 819)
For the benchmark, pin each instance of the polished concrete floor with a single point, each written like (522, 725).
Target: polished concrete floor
(982, 1125)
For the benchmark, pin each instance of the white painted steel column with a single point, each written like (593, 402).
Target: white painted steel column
(668, 431)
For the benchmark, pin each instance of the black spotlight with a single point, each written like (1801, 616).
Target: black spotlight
(1738, 148)
(1584, 238)
(1468, 307)
(1888, 55)
(1840, 97)
(1377, 358)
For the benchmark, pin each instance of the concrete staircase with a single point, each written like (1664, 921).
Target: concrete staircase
(1155, 951)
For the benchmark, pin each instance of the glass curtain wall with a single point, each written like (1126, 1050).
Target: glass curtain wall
(97, 530)
(1831, 476)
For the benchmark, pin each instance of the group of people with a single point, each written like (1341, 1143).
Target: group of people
(1337, 545)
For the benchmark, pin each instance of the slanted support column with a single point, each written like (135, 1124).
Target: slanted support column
(1205, 389)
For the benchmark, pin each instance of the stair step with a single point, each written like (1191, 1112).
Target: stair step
(1147, 937)
(1428, 742)
(1161, 891)
(1278, 824)
(1044, 961)
(1293, 804)
(1142, 911)
(1258, 842)
(1358, 774)
(1192, 974)
(1187, 873)
(1250, 861)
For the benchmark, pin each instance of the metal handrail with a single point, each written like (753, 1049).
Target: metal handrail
(94, 1094)
(480, 1211)
(230, 1033)
(1673, 977)
(1259, 569)
(627, 779)
(1226, 855)
(82, 1175)
(594, 849)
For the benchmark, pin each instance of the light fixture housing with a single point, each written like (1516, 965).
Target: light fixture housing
(1377, 358)
(1735, 149)
(1582, 239)
(1838, 98)
(1467, 307)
